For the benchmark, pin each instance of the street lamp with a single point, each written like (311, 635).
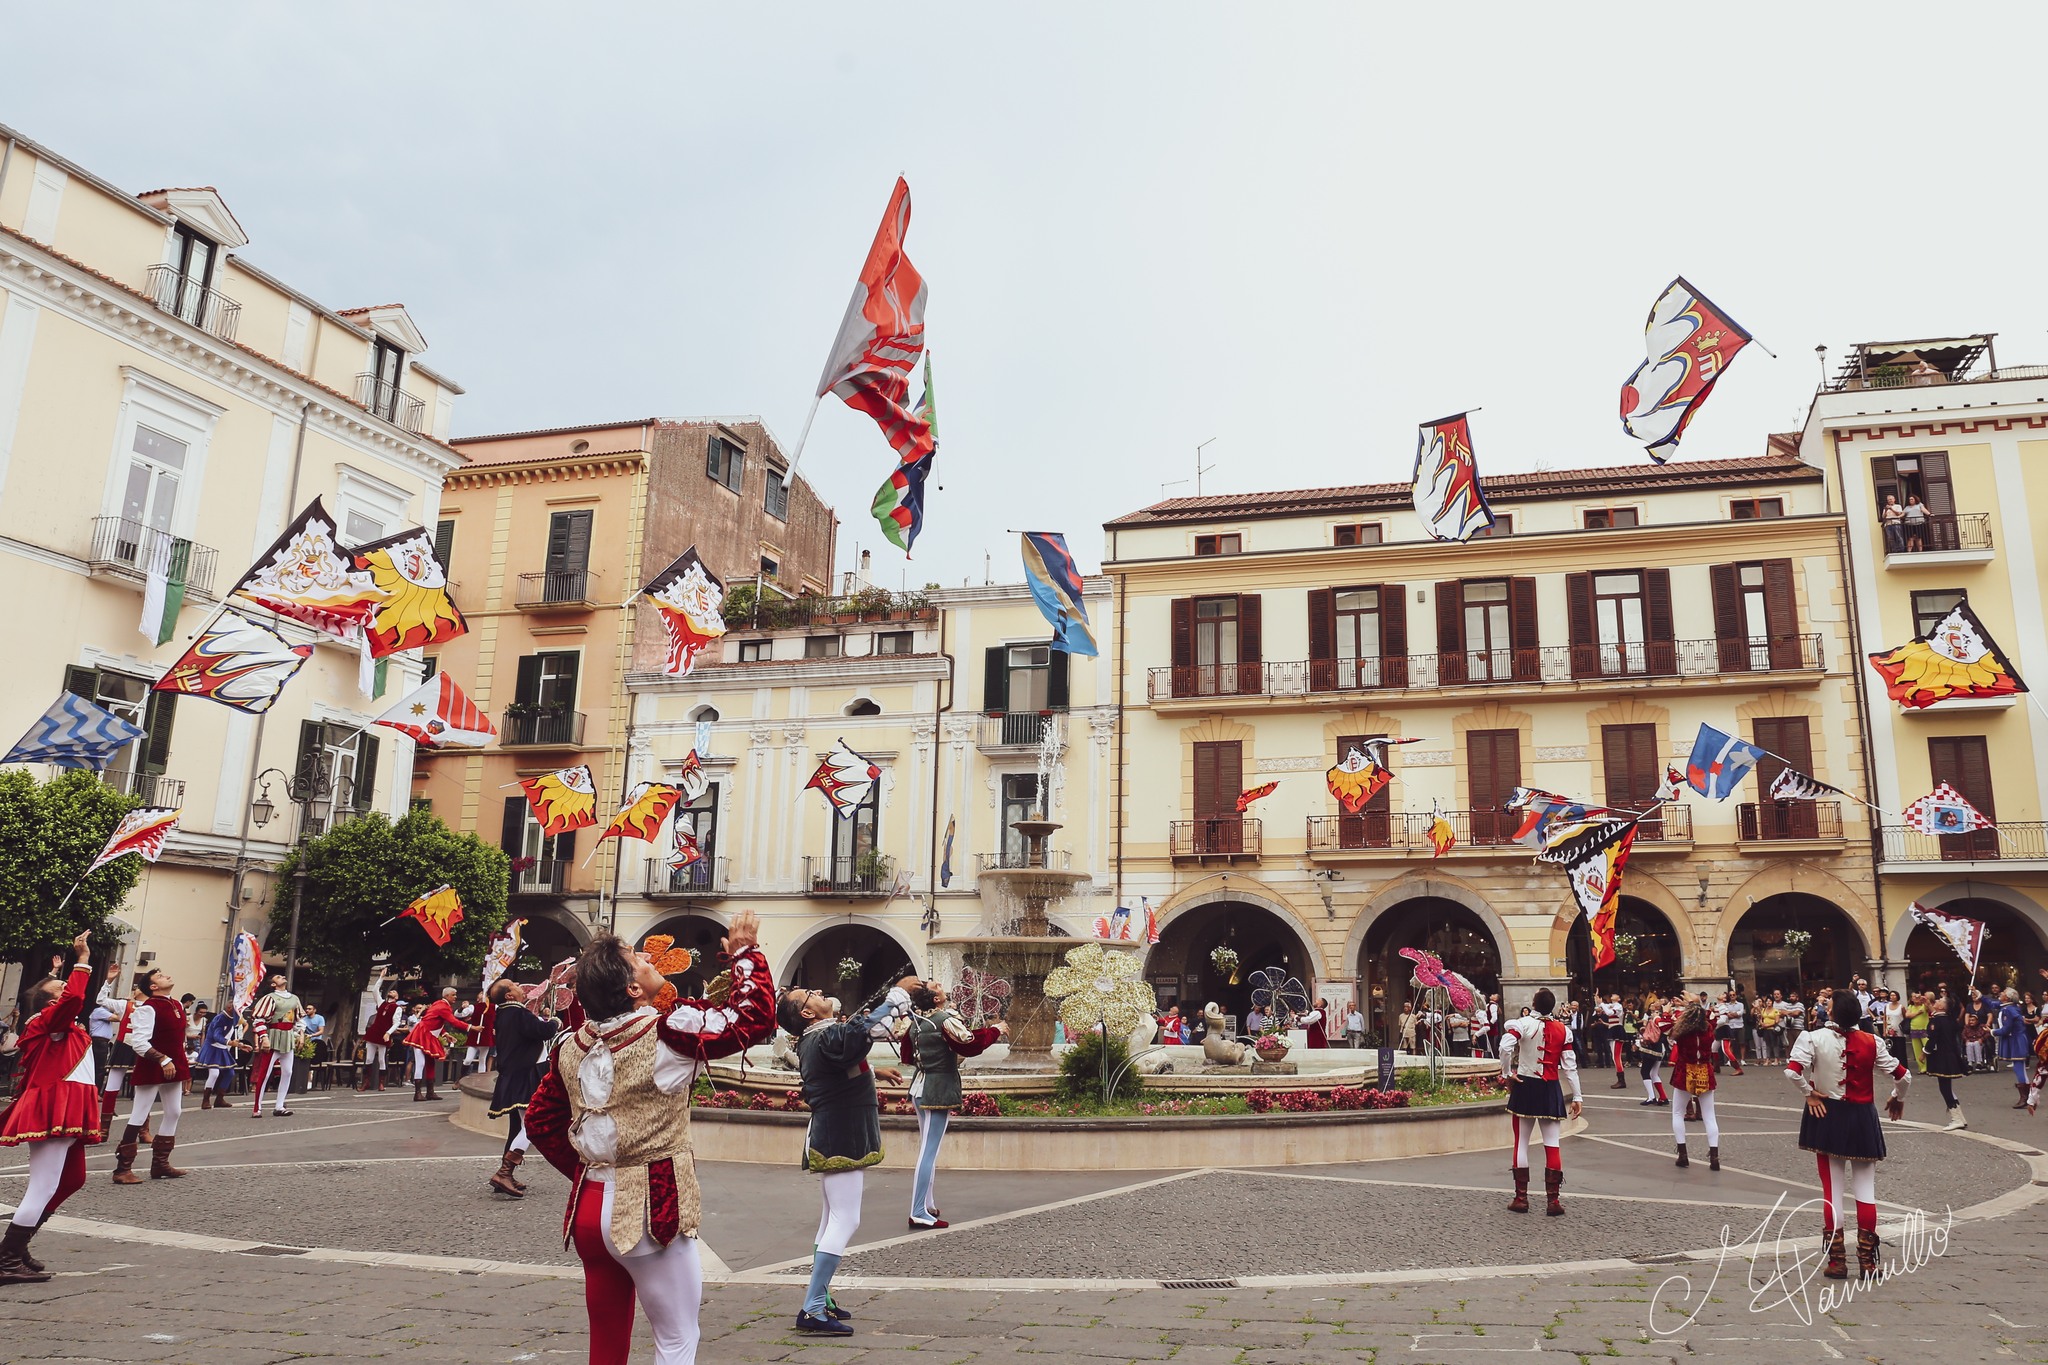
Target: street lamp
(302, 789)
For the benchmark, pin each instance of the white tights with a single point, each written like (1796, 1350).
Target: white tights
(172, 1093)
(1551, 1129)
(841, 1217)
(420, 1062)
(116, 1079)
(45, 1168)
(669, 1282)
(281, 1071)
(1713, 1124)
(1652, 1079)
(373, 1056)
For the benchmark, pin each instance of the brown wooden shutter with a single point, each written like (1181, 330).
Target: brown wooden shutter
(995, 680)
(1884, 479)
(1322, 639)
(1183, 646)
(1657, 622)
(1393, 635)
(1250, 681)
(1781, 614)
(1493, 769)
(1964, 762)
(1731, 642)
(1219, 777)
(1584, 635)
(1524, 642)
(1450, 633)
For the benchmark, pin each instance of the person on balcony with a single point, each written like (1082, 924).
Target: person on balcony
(1915, 524)
(1893, 519)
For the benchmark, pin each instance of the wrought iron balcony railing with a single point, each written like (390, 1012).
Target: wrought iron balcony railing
(866, 874)
(1058, 859)
(703, 878)
(154, 788)
(2011, 839)
(392, 403)
(207, 309)
(1768, 820)
(1959, 531)
(534, 728)
(1215, 836)
(1017, 729)
(132, 549)
(557, 590)
(1408, 831)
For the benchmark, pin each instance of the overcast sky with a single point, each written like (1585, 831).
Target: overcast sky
(1298, 229)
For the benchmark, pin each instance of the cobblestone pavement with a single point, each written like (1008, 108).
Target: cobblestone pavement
(292, 1240)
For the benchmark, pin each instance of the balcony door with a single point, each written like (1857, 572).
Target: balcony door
(568, 561)
(1493, 769)
(1219, 777)
(853, 843)
(1621, 623)
(1756, 616)
(134, 768)
(546, 860)
(699, 819)
(156, 466)
(1020, 802)
(1964, 762)
(193, 255)
(546, 698)
(1216, 645)
(343, 759)
(1789, 740)
(1926, 477)
(1629, 759)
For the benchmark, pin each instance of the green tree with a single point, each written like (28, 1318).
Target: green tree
(364, 871)
(49, 834)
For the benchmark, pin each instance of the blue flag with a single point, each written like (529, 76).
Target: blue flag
(1719, 762)
(1055, 582)
(74, 733)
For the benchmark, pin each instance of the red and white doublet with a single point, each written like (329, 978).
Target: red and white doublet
(1537, 1061)
(487, 1026)
(1312, 1024)
(1692, 1070)
(613, 1115)
(158, 1025)
(54, 1091)
(1842, 1069)
(426, 1034)
(378, 1032)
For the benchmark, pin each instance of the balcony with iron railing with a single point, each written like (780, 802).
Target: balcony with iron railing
(1776, 822)
(1224, 837)
(1961, 534)
(540, 727)
(1903, 377)
(557, 590)
(540, 876)
(130, 550)
(392, 403)
(207, 309)
(2011, 840)
(1017, 729)
(154, 788)
(703, 879)
(854, 876)
(1406, 834)
(1543, 665)
(1015, 859)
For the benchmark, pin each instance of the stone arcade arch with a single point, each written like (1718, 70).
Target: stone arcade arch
(1657, 964)
(1760, 960)
(1263, 931)
(699, 931)
(2015, 946)
(1450, 929)
(813, 961)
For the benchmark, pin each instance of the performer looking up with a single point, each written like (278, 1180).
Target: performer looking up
(613, 1115)
(522, 1040)
(1836, 1067)
(934, 1043)
(156, 1030)
(1692, 1070)
(275, 1023)
(845, 1135)
(1536, 1061)
(428, 1050)
(56, 1110)
(217, 1054)
(377, 1040)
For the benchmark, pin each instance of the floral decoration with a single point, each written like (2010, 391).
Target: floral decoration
(980, 997)
(1097, 986)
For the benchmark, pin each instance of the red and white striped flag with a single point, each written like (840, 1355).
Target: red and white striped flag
(882, 336)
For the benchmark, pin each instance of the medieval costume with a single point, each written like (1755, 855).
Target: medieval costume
(522, 1041)
(275, 1026)
(1692, 1070)
(1945, 1059)
(156, 1030)
(2014, 1042)
(120, 1061)
(1537, 1062)
(56, 1111)
(1316, 1025)
(1651, 1043)
(613, 1115)
(217, 1055)
(484, 1037)
(428, 1049)
(934, 1043)
(377, 1043)
(1611, 1037)
(1836, 1068)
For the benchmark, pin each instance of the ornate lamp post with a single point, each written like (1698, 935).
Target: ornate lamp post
(302, 789)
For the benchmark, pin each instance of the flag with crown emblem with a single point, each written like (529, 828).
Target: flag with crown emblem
(1690, 344)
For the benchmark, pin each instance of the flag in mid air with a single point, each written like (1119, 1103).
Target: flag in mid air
(1251, 794)
(74, 733)
(1446, 492)
(1793, 785)
(1944, 811)
(437, 912)
(899, 503)
(1964, 936)
(562, 800)
(845, 778)
(503, 952)
(691, 778)
(306, 575)
(236, 662)
(1357, 778)
(882, 335)
(1594, 870)
(141, 832)
(1441, 833)
(245, 970)
(437, 715)
(1956, 659)
(413, 608)
(1690, 342)
(690, 602)
(1719, 762)
(647, 805)
(1055, 582)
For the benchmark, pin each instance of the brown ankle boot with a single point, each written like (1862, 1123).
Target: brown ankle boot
(1866, 1254)
(502, 1182)
(512, 1159)
(160, 1167)
(1713, 1158)
(16, 1265)
(2021, 1103)
(1838, 1265)
(206, 1100)
(1683, 1160)
(124, 1158)
(1553, 1181)
(419, 1091)
(1521, 1200)
(432, 1093)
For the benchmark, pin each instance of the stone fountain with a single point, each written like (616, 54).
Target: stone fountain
(1021, 944)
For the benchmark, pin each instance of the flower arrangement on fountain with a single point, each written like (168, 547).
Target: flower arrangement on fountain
(1096, 987)
(1798, 940)
(1277, 997)
(849, 969)
(1225, 961)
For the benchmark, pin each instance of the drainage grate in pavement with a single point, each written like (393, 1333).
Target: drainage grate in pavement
(274, 1251)
(1198, 1284)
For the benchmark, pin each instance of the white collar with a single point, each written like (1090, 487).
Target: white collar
(619, 1020)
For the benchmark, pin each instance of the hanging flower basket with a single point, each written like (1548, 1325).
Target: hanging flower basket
(1798, 940)
(1225, 961)
(849, 968)
(1625, 947)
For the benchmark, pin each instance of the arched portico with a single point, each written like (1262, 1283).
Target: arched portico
(2015, 944)
(1782, 878)
(1567, 927)
(884, 954)
(1260, 928)
(1414, 885)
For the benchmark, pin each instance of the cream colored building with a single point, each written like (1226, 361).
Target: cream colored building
(949, 692)
(1941, 421)
(1576, 649)
(155, 383)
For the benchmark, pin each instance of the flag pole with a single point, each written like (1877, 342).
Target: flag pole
(797, 456)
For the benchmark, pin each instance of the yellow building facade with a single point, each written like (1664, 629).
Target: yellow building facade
(1939, 422)
(156, 385)
(1576, 649)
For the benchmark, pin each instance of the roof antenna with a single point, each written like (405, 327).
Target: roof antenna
(1199, 469)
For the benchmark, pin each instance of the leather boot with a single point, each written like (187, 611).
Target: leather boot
(1713, 1158)
(124, 1158)
(1866, 1254)
(1521, 1200)
(512, 1159)
(2021, 1103)
(419, 1091)
(1683, 1160)
(108, 1100)
(160, 1167)
(1838, 1265)
(1553, 1181)
(502, 1182)
(16, 1265)
(206, 1100)
(432, 1093)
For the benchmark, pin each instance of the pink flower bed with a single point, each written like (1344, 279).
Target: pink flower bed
(1324, 1101)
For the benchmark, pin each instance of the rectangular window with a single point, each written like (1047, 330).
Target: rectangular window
(194, 258)
(1629, 757)
(1493, 769)
(1358, 636)
(1219, 545)
(1756, 617)
(1020, 802)
(1358, 533)
(360, 529)
(544, 699)
(699, 819)
(1030, 679)
(1489, 647)
(1219, 777)
(1618, 616)
(893, 641)
(1756, 509)
(1964, 762)
(339, 764)
(430, 664)
(444, 541)
(725, 462)
(539, 864)
(775, 495)
(1609, 518)
(567, 577)
(156, 465)
(821, 646)
(854, 861)
(770, 568)
(134, 768)
(387, 366)
(1216, 656)
(1916, 503)
(1930, 607)
(1503, 525)
(756, 651)
(1789, 742)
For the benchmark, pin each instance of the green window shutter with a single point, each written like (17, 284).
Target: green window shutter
(156, 719)
(364, 797)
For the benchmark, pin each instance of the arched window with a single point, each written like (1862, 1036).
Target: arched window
(861, 706)
(704, 713)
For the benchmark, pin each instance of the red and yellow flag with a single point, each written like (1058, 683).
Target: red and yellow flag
(647, 805)
(1251, 794)
(562, 800)
(437, 912)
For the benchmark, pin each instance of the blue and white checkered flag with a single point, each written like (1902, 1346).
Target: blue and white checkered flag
(74, 733)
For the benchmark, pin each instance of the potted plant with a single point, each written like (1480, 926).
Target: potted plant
(738, 605)
(870, 603)
(871, 867)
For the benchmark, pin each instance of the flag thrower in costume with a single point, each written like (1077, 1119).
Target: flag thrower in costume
(562, 800)
(503, 952)
(646, 806)
(1956, 659)
(1055, 582)
(74, 733)
(1690, 342)
(881, 337)
(436, 715)
(413, 608)
(1447, 493)
(1964, 936)
(845, 777)
(141, 832)
(438, 912)
(307, 576)
(1251, 794)
(690, 602)
(1593, 862)
(1719, 762)
(236, 662)
(899, 503)
(245, 970)
(1944, 811)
